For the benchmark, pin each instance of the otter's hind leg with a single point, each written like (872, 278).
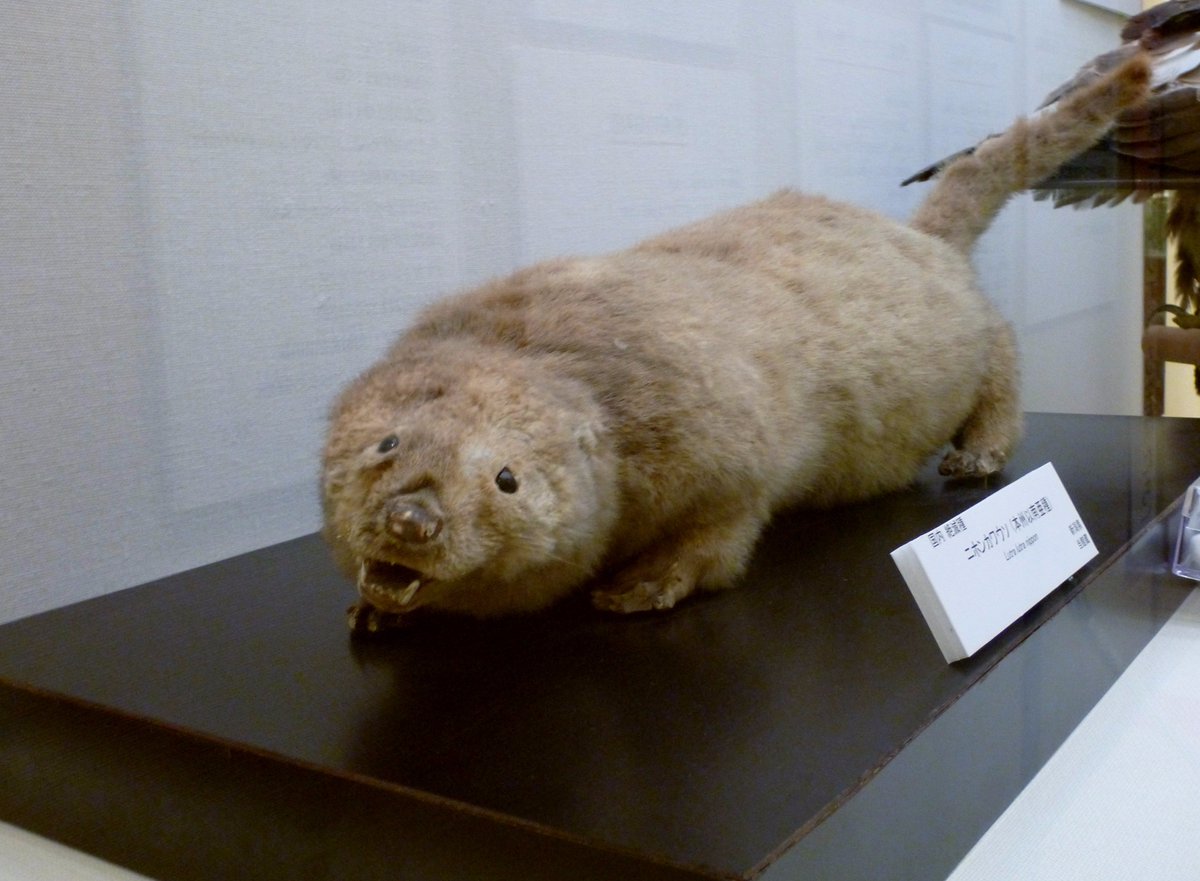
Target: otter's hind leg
(991, 431)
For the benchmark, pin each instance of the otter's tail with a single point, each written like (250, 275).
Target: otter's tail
(972, 190)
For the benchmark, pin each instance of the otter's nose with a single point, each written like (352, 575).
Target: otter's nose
(412, 523)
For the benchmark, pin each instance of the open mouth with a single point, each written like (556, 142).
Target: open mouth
(394, 584)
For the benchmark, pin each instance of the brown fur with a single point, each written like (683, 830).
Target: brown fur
(657, 405)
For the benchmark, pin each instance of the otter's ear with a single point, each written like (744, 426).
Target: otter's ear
(586, 437)
(333, 478)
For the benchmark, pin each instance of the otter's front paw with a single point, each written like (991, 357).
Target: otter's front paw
(967, 463)
(632, 595)
(366, 620)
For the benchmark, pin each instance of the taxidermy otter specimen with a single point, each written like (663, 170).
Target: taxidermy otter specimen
(633, 420)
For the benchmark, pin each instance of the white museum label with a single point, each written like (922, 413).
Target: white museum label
(980, 571)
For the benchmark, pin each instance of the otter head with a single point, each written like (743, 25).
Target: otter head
(483, 491)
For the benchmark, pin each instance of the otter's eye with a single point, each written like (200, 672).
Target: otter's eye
(507, 481)
(388, 444)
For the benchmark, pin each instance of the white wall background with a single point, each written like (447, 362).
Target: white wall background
(213, 214)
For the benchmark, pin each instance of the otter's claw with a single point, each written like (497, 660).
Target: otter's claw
(645, 596)
(366, 620)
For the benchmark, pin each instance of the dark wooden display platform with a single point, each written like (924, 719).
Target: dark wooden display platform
(222, 723)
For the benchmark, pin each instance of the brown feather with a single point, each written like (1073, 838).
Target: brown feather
(1183, 225)
(1163, 20)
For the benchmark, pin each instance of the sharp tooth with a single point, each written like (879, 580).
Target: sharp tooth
(362, 572)
(409, 592)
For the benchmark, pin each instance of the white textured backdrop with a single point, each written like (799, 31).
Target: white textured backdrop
(212, 215)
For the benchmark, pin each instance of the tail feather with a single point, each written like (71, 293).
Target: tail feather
(1183, 225)
(972, 190)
